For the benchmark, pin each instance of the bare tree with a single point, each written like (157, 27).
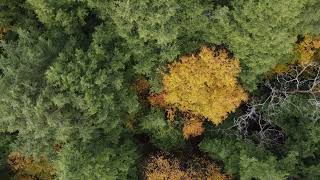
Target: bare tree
(301, 79)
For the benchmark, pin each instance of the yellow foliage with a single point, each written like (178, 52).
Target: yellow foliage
(170, 114)
(204, 84)
(193, 127)
(2, 32)
(163, 168)
(27, 168)
(281, 69)
(307, 49)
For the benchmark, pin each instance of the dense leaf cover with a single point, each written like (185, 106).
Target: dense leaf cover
(165, 89)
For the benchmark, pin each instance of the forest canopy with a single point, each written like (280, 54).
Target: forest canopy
(160, 90)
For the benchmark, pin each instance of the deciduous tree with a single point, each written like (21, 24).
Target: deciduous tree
(204, 84)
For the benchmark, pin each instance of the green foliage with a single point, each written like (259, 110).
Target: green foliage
(54, 93)
(67, 70)
(298, 116)
(69, 15)
(5, 141)
(15, 13)
(310, 17)
(245, 159)
(23, 64)
(251, 167)
(97, 160)
(162, 134)
(259, 33)
(224, 149)
(156, 32)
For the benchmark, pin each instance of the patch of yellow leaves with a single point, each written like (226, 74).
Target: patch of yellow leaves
(306, 54)
(204, 84)
(163, 168)
(307, 49)
(2, 32)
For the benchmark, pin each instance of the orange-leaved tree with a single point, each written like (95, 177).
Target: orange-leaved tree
(204, 84)
(164, 167)
(193, 126)
(28, 168)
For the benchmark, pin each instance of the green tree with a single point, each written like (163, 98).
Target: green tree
(98, 159)
(259, 33)
(162, 135)
(156, 32)
(246, 160)
(5, 141)
(69, 15)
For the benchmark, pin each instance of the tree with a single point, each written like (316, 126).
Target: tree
(156, 32)
(267, 134)
(16, 13)
(5, 141)
(160, 167)
(245, 160)
(23, 64)
(261, 34)
(204, 84)
(69, 15)
(56, 93)
(98, 159)
(309, 19)
(163, 135)
(28, 168)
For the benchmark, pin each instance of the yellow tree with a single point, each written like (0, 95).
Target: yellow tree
(204, 84)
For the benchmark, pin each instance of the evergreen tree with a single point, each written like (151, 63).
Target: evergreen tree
(259, 33)
(98, 159)
(162, 134)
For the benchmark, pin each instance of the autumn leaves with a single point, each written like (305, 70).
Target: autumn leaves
(202, 86)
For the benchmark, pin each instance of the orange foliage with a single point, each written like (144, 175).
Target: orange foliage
(157, 100)
(163, 168)
(28, 168)
(307, 49)
(204, 84)
(142, 85)
(193, 127)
